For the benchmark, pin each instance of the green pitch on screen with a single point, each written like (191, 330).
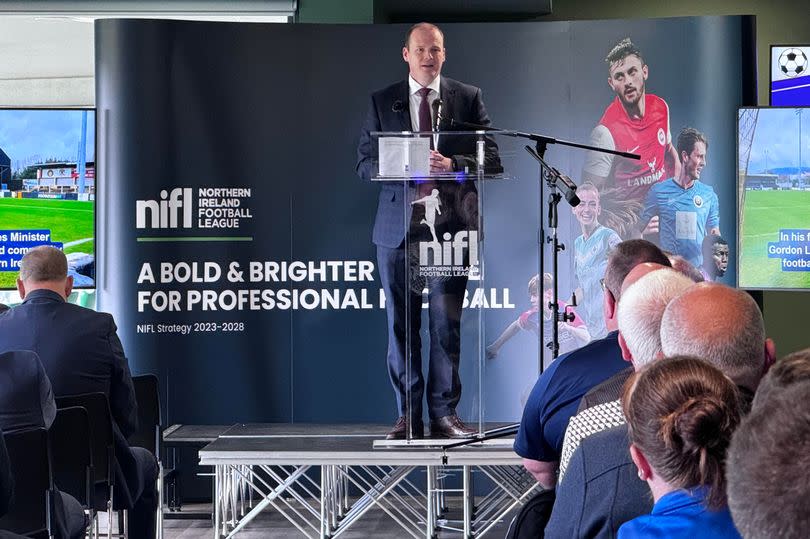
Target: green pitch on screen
(68, 220)
(765, 213)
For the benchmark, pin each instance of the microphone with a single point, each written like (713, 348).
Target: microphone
(437, 114)
(568, 187)
(397, 106)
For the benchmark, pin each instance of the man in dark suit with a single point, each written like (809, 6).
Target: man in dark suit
(412, 105)
(81, 353)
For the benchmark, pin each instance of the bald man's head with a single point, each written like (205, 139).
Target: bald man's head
(721, 325)
(44, 267)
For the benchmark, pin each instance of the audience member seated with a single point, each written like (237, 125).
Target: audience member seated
(769, 458)
(645, 294)
(81, 353)
(724, 326)
(557, 392)
(717, 323)
(611, 389)
(26, 402)
(681, 413)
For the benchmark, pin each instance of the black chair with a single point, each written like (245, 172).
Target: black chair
(150, 433)
(102, 447)
(149, 421)
(30, 510)
(530, 521)
(73, 470)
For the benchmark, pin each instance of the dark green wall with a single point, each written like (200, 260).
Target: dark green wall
(778, 21)
(336, 11)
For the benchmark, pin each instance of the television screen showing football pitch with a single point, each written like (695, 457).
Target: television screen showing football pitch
(48, 189)
(774, 187)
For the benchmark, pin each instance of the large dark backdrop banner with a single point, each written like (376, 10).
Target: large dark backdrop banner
(204, 123)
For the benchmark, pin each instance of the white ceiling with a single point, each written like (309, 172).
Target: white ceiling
(49, 60)
(45, 47)
(46, 62)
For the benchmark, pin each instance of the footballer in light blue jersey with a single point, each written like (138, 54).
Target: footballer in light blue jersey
(590, 259)
(683, 209)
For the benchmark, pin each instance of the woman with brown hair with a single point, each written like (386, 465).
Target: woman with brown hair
(681, 413)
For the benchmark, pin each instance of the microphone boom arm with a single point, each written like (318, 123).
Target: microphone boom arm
(543, 139)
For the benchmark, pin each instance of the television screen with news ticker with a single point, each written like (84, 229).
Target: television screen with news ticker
(48, 189)
(774, 186)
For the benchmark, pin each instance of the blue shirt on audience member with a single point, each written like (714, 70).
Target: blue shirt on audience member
(682, 515)
(556, 395)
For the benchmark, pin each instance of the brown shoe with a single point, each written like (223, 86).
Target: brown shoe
(400, 430)
(450, 426)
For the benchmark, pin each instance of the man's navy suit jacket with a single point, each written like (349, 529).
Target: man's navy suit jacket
(81, 353)
(389, 110)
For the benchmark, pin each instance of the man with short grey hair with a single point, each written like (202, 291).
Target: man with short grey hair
(81, 353)
(641, 311)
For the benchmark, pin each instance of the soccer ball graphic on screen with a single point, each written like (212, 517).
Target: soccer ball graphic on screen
(793, 62)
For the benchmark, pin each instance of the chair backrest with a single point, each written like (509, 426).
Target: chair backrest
(530, 521)
(29, 511)
(73, 470)
(21, 404)
(149, 423)
(101, 432)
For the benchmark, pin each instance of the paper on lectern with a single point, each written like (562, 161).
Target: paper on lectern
(404, 156)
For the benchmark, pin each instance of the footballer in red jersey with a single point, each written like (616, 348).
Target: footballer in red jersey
(635, 122)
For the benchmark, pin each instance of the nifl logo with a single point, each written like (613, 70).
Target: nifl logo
(451, 251)
(164, 213)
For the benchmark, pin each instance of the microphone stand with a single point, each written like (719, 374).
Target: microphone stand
(552, 178)
(556, 183)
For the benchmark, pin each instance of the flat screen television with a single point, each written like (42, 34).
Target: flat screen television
(790, 76)
(48, 188)
(773, 149)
